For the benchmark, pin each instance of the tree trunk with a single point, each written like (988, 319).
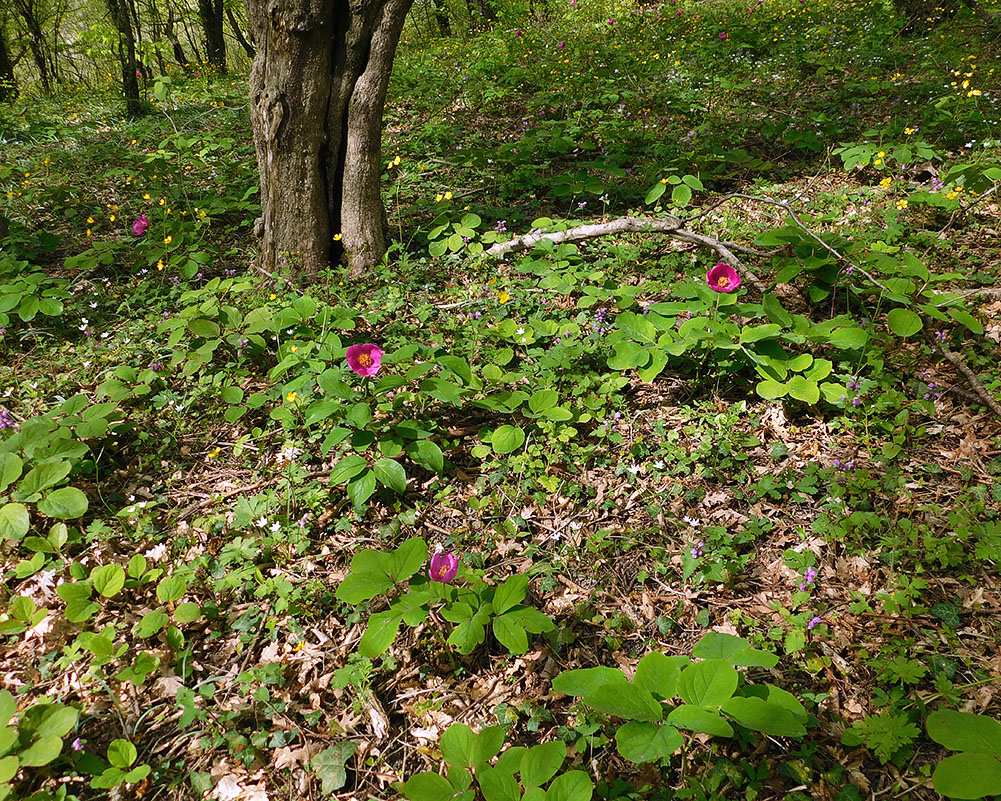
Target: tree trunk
(441, 15)
(211, 13)
(122, 20)
(8, 81)
(36, 41)
(317, 92)
(248, 48)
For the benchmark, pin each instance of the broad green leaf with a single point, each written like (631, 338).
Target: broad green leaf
(585, 681)
(187, 612)
(381, 631)
(903, 322)
(760, 715)
(697, 718)
(44, 476)
(968, 776)
(708, 683)
(803, 389)
(390, 473)
(14, 521)
(428, 455)
(540, 763)
(428, 786)
(65, 503)
(108, 580)
(625, 701)
(574, 785)
(121, 754)
(627, 355)
(41, 752)
(636, 327)
(361, 487)
(717, 645)
(171, 588)
(358, 587)
(347, 468)
(510, 634)
(10, 469)
(57, 721)
(770, 389)
(658, 674)
(507, 439)
(647, 742)
(151, 623)
(498, 785)
(961, 731)
(542, 400)
(511, 593)
(457, 745)
(489, 741)
(8, 769)
(408, 558)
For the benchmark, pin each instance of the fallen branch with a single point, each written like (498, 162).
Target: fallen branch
(968, 374)
(671, 226)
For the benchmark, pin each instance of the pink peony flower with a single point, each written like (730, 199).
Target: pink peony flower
(723, 278)
(140, 225)
(443, 568)
(365, 359)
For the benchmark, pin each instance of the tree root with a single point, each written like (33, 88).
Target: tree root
(671, 226)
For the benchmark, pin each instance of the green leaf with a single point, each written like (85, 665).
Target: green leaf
(658, 674)
(428, 786)
(708, 683)
(510, 634)
(697, 718)
(14, 521)
(10, 470)
(408, 558)
(8, 707)
(586, 681)
(961, 731)
(320, 410)
(359, 415)
(361, 586)
(8, 769)
(681, 194)
(66, 503)
(108, 580)
(637, 328)
(625, 701)
(201, 327)
(770, 389)
(540, 763)
(381, 631)
(57, 720)
(647, 742)
(903, 322)
(760, 715)
(457, 745)
(775, 311)
(121, 754)
(498, 785)
(151, 623)
(627, 355)
(511, 593)
(803, 389)
(428, 455)
(655, 193)
(575, 785)
(187, 612)
(968, 776)
(507, 439)
(347, 468)
(390, 473)
(329, 765)
(965, 318)
(43, 751)
(361, 487)
(542, 400)
(716, 645)
(171, 588)
(488, 744)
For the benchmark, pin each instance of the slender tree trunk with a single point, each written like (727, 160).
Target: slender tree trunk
(122, 19)
(36, 41)
(317, 92)
(8, 81)
(211, 13)
(248, 48)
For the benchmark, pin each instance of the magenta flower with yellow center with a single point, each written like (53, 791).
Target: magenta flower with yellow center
(365, 359)
(140, 225)
(443, 568)
(723, 278)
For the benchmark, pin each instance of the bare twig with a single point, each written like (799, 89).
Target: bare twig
(968, 374)
(963, 209)
(671, 226)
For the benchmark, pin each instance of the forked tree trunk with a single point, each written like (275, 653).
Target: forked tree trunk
(317, 91)
(234, 25)
(211, 13)
(122, 19)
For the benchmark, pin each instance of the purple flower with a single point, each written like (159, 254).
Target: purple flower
(443, 568)
(698, 549)
(941, 336)
(77, 744)
(809, 577)
(814, 622)
(140, 225)
(6, 421)
(724, 36)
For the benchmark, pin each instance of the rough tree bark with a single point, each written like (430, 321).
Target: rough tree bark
(211, 14)
(317, 92)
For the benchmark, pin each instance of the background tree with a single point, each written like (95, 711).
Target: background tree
(317, 91)
(211, 14)
(31, 14)
(8, 80)
(121, 18)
